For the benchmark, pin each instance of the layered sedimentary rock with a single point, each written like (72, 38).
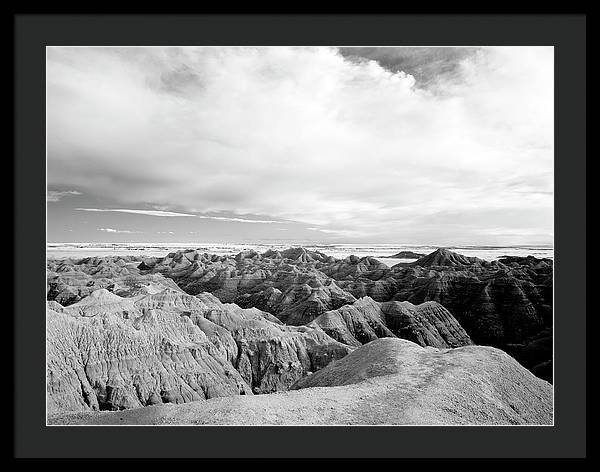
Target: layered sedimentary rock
(131, 359)
(287, 284)
(111, 352)
(387, 382)
(497, 302)
(68, 280)
(501, 303)
(427, 324)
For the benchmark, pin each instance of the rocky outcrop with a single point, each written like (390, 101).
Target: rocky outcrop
(301, 302)
(111, 352)
(355, 324)
(533, 262)
(352, 267)
(68, 281)
(113, 362)
(386, 382)
(428, 324)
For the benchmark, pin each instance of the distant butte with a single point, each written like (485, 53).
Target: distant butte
(445, 257)
(406, 255)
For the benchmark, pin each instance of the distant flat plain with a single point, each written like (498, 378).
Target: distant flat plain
(380, 251)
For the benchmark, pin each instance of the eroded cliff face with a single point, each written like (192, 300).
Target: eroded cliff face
(428, 324)
(110, 352)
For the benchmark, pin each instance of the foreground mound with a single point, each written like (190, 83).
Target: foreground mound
(387, 381)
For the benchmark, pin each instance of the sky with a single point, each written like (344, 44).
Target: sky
(399, 145)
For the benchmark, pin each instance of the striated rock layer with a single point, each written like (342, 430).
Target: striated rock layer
(498, 303)
(428, 324)
(388, 382)
(68, 280)
(109, 352)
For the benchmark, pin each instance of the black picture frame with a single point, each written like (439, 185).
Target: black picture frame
(32, 438)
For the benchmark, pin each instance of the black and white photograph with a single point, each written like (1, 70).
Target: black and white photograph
(300, 235)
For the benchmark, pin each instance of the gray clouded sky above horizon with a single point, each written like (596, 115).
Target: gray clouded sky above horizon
(401, 145)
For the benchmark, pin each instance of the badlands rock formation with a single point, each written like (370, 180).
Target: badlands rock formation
(68, 280)
(501, 303)
(498, 303)
(126, 333)
(428, 324)
(443, 257)
(110, 352)
(388, 381)
(287, 284)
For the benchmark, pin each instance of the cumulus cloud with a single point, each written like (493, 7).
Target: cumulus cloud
(310, 135)
(432, 67)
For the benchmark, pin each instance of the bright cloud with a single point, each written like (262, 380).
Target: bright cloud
(136, 212)
(313, 136)
(175, 214)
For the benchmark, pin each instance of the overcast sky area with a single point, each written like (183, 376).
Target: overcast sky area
(403, 145)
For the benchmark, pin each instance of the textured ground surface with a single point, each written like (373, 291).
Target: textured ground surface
(107, 352)
(387, 381)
